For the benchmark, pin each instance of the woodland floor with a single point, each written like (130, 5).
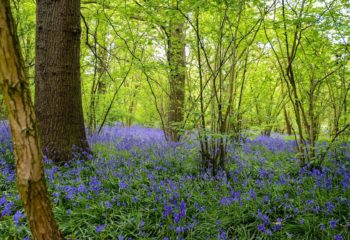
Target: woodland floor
(138, 186)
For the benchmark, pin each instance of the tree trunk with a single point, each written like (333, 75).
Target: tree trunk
(29, 167)
(288, 123)
(58, 100)
(177, 64)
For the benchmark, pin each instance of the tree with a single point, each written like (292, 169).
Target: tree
(29, 167)
(172, 24)
(58, 102)
(177, 64)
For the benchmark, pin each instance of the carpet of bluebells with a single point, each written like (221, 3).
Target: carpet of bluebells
(138, 186)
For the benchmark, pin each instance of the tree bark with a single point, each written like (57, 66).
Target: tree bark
(177, 64)
(58, 100)
(288, 122)
(29, 167)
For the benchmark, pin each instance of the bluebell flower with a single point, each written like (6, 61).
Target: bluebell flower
(252, 194)
(278, 224)
(262, 228)
(17, 216)
(333, 223)
(8, 209)
(226, 201)
(167, 211)
(183, 208)
(265, 219)
(100, 228)
(222, 235)
(141, 224)
(122, 185)
(108, 205)
(338, 237)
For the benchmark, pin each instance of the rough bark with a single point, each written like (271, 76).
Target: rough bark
(58, 102)
(29, 168)
(176, 60)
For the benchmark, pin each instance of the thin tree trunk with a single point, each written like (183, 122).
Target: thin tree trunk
(29, 167)
(288, 123)
(58, 86)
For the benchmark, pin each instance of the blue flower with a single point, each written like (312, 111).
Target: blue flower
(141, 224)
(122, 185)
(100, 228)
(338, 237)
(222, 235)
(108, 205)
(226, 201)
(278, 224)
(262, 228)
(167, 211)
(183, 208)
(18, 216)
(252, 194)
(333, 223)
(8, 209)
(265, 219)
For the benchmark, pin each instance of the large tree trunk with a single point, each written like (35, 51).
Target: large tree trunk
(29, 167)
(58, 100)
(177, 64)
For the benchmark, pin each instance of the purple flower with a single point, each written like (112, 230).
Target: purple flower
(18, 216)
(100, 228)
(278, 225)
(262, 228)
(141, 224)
(3, 200)
(183, 208)
(252, 194)
(167, 211)
(8, 209)
(95, 184)
(123, 185)
(226, 201)
(333, 223)
(222, 235)
(177, 218)
(265, 219)
(338, 237)
(108, 205)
